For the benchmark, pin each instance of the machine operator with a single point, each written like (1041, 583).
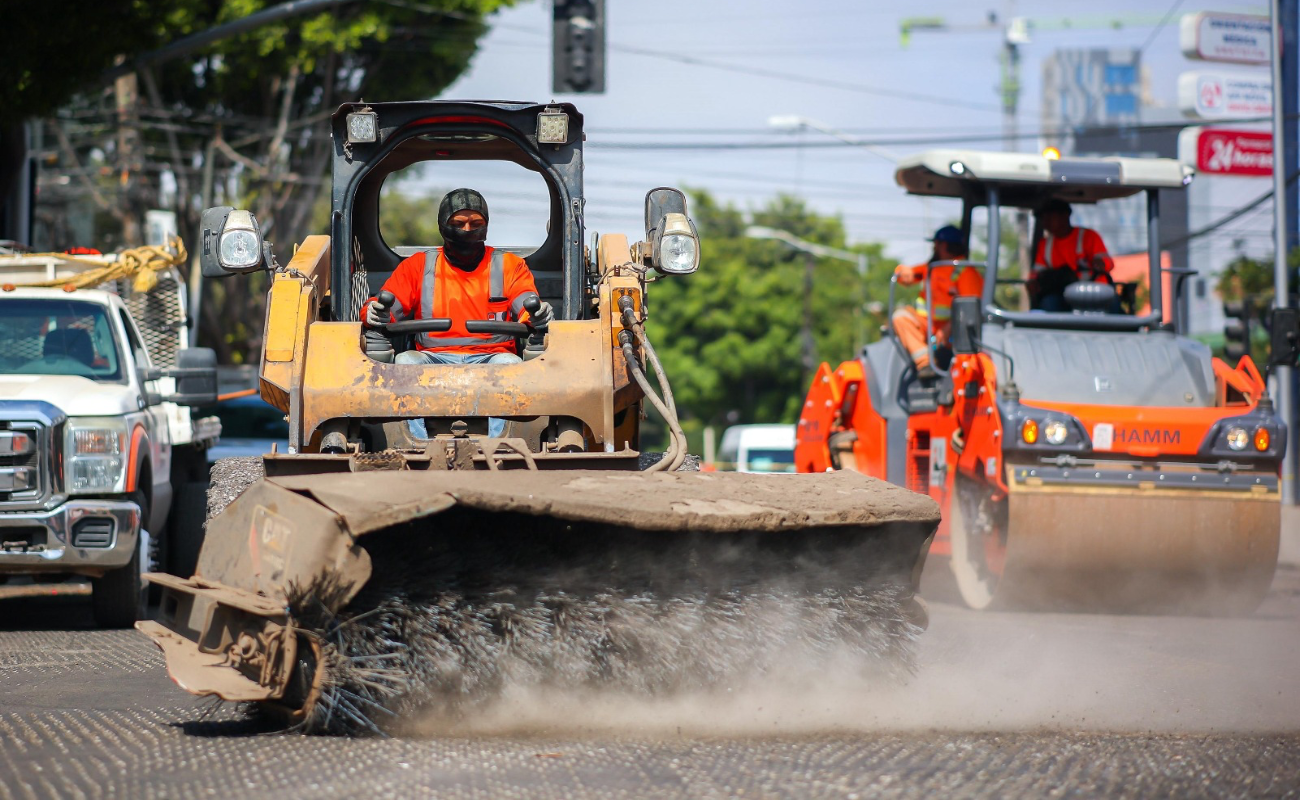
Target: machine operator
(1065, 254)
(909, 323)
(463, 280)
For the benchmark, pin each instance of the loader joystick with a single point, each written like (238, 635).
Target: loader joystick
(519, 330)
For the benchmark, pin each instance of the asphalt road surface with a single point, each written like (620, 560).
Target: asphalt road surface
(1002, 705)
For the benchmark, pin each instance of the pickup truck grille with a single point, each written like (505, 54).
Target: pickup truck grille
(22, 476)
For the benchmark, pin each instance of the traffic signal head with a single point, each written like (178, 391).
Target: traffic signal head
(1236, 330)
(578, 47)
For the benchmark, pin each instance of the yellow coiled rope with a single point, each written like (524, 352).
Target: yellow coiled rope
(141, 264)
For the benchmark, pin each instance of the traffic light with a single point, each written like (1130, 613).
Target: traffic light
(1284, 337)
(578, 47)
(1236, 330)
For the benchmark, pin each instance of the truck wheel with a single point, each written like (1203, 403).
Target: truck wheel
(117, 598)
(190, 508)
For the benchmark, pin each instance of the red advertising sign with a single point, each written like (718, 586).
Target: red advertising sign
(1221, 151)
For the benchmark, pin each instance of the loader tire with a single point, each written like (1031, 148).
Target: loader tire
(189, 512)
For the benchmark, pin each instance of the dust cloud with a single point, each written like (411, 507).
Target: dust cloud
(976, 671)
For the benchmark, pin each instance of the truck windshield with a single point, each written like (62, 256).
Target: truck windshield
(57, 337)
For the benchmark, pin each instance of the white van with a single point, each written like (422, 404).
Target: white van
(757, 448)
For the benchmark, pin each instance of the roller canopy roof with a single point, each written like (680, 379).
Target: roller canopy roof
(1026, 179)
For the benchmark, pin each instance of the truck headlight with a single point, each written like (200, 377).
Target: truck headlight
(96, 454)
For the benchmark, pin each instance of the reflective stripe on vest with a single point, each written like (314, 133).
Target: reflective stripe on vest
(1078, 244)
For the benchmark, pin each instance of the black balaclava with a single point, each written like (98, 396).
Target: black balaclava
(464, 249)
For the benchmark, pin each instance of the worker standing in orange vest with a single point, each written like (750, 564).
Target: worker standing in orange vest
(1065, 254)
(910, 323)
(463, 280)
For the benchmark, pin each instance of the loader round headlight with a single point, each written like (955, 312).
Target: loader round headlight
(677, 253)
(1055, 432)
(1029, 431)
(1238, 438)
(240, 249)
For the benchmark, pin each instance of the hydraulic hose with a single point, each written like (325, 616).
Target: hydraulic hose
(630, 321)
(675, 455)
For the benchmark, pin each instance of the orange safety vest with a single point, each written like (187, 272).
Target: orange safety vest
(431, 288)
(1080, 247)
(970, 283)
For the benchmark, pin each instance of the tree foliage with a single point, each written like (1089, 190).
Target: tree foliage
(55, 49)
(730, 335)
(243, 122)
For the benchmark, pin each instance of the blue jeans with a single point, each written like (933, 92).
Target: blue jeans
(496, 427)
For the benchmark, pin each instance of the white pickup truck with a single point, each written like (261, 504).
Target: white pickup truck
(102, 469)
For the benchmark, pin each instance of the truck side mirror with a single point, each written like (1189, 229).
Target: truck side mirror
(230, 242)
(196, 377)
(1284, 337)
(967, 325)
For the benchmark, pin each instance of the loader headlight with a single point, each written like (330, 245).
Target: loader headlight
(96, 454)
(363, 126)
(552, 127)
(1055, 432)
(240, 248)
(1237, 438)
(676, 246)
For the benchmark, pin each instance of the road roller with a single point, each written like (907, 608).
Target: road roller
(1090, 456)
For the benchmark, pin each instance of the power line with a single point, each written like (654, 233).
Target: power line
(809, 80)
(1152, 36)
(1241, 212)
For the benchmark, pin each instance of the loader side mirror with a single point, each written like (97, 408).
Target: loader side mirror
(967, 325)
(658, 204)
(230, 242)
(1284, 337)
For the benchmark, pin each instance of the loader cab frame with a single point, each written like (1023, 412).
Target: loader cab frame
(545, 139)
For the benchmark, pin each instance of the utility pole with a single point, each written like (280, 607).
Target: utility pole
(809, 349)
(1282, 222)
(1014, 33)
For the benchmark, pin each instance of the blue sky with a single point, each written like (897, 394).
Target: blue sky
(942, 84)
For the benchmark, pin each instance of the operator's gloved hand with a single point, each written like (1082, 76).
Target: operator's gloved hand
(375, 317)
(543, 316)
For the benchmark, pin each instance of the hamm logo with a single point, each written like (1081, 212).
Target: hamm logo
(1146, 436)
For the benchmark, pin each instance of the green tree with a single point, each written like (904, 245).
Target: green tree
(729, 335)
(242, 122)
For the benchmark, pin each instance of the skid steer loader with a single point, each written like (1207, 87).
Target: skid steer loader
(371, 572)
(1095, 459)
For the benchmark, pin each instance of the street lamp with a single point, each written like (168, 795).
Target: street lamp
(790, 122)
(813, 250)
